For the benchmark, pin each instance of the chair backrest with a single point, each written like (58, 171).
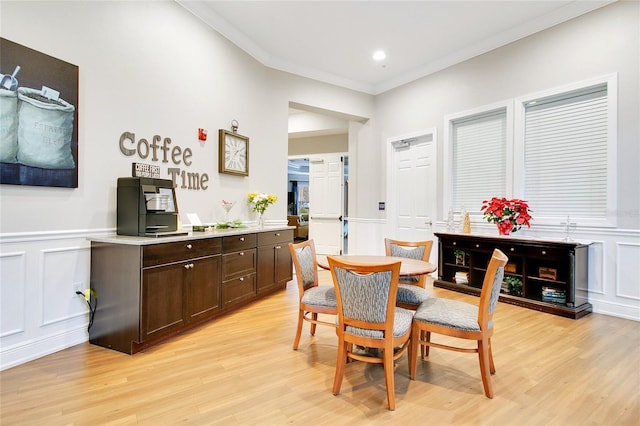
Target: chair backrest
(491, 289)
(420, 250)
(366, 296)
(305, 264)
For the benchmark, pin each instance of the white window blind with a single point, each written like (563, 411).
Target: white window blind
(565, 154)
(479, 159)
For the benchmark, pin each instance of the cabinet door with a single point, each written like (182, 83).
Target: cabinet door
(202, 287)
(266, 268)
(274, 266)
(162, 309)
(284, 264)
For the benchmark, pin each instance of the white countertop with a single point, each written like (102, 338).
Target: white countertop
(216, 233)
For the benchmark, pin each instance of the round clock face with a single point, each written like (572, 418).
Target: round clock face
(235, 157)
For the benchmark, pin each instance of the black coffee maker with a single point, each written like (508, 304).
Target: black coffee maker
(147, 207)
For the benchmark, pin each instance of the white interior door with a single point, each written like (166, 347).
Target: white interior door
(326, 202)
(413, 188)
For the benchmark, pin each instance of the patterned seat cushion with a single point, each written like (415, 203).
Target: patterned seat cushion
(401, 324)
(450, 313)
(322, 295)
(411, 294)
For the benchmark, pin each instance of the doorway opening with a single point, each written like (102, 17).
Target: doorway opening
(324, 139)
(298, 197)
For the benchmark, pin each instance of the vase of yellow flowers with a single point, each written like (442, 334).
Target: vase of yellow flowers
(259, 203)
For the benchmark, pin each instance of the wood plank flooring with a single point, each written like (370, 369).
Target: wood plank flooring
(241, 370)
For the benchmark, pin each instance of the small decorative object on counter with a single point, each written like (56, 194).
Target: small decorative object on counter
(227, 206)
(466, 226)
(451, 226)
(259, 203)
(569, 227)
(229, 224)
(508, 215)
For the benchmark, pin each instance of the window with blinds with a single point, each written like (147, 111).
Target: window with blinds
(478, 159)
(565, 154)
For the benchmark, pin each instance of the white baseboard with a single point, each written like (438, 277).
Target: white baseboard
(36, 348)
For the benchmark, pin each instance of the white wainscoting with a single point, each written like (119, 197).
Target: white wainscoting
(40, 312)
(41, 315)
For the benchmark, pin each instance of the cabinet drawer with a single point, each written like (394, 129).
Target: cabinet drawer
(238, 289)
(273, 237)
(238, 242)
(238, 263)
(549, 253)
(158, 254)
(511, 249)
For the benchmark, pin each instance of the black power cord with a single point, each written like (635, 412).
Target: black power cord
(92, 308)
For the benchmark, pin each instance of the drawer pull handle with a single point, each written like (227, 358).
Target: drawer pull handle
(544, 252)
(241, 253)
(513, 249)
(189, 246)
(241, 238)
(241, 278)
(454, 243)
(477, 245)
(188, 266)
(277, 234)
(278, 247)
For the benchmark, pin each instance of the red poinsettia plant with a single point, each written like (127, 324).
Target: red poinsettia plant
(508, 215)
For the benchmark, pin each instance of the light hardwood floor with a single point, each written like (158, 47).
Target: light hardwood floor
(240, 369)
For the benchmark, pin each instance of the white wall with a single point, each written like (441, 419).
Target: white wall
(599, 43)
(319, 144)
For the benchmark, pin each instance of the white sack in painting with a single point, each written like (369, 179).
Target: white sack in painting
(8, 126)
(45, 131)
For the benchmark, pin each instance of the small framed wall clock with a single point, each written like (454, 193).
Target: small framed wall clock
(233, 153)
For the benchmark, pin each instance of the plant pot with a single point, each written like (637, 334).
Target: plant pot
(504, 228)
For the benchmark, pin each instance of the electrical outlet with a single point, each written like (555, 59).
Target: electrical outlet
(78, 287)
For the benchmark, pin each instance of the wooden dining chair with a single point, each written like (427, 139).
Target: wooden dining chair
(313, 298)
(368, 317)
(411, 292)
(462, 320)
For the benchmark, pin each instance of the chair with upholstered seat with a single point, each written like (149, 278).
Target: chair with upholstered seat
(314, 299)
(368, 317)
(462, 320)
(411, 290)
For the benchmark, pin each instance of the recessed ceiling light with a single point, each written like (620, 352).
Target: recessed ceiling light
(379, 55)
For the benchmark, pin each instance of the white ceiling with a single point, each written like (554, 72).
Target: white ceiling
(332, 41)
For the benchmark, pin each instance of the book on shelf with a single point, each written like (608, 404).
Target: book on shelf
(461, 277)
(555, 295)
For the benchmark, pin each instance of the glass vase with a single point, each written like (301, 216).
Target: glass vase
(260, 219)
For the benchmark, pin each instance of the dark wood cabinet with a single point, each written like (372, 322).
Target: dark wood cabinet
(146, 292)
(549, 276)
(179, 285)
(275, 267)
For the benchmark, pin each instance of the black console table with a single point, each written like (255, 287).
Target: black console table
(549, 276)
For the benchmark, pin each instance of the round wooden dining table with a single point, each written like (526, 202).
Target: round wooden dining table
(408, 267)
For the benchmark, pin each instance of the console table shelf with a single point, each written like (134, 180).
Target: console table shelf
(545, 275)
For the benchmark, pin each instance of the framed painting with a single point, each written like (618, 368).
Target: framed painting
(38, 118)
